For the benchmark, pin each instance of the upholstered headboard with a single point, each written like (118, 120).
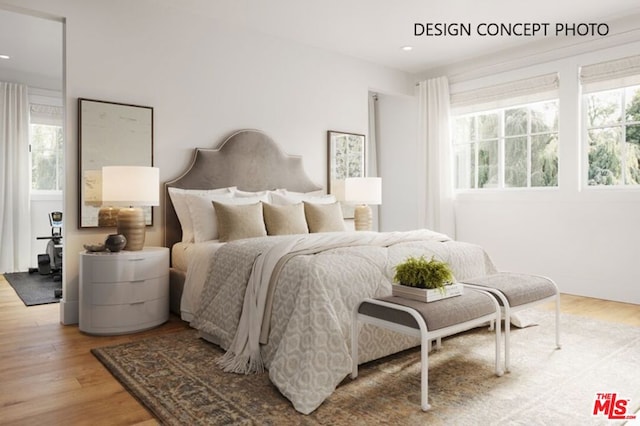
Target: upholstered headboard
(249, 160)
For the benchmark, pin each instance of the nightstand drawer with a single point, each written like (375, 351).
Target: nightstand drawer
(131, 268)
(129, 292)
(130, 317)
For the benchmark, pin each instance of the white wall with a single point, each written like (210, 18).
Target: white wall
(204, 79)
(398, 164)
(584, 238)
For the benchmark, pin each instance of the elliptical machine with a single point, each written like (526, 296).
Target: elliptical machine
(50, 263)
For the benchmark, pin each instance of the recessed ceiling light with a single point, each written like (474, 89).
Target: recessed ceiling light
(407, 48)
(5, 57)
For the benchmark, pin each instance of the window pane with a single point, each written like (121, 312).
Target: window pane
(46, 157)
(604, 108)
(544, 160)
(632, 97)
(544, 117)
(515, 162)
(465, 163)
(488, 125)
(632, 161)
(515, 121)
(464, 129)
(488, 164)
(604, 156)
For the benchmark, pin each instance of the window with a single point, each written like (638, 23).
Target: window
(513, 147)
(506, 136)
(46, 144)
(611, 122)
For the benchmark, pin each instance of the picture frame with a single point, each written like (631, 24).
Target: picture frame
(346, 158)
(109, 134)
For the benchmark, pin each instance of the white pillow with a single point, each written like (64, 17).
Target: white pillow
(203, 214)
(182, 210)
(242, 194)
(283, 199)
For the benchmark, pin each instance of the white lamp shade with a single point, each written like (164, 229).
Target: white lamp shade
(367, 190)
(130, 186)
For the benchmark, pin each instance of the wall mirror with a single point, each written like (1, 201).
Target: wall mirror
(109, 134)
(346, 159)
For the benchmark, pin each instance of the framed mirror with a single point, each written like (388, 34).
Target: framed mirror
(109, 134)
(347, 158)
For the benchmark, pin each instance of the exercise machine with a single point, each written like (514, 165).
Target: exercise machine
(50, 262)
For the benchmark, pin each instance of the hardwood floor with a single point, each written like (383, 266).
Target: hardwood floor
(48, 375)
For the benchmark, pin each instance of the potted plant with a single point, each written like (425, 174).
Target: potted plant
(425, 280)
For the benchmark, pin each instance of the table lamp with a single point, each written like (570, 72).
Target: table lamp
(132, 187)
(363, 192)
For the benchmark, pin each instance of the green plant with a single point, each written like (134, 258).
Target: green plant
(423, 273)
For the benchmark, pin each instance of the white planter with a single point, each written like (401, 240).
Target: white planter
(427, 294)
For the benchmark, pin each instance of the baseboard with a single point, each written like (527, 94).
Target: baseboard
(69, 312)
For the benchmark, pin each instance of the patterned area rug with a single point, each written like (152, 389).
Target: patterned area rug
(176, 377)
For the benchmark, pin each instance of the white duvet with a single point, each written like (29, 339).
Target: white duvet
(307, 352)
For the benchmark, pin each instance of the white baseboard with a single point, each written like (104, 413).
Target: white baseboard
(69, 312)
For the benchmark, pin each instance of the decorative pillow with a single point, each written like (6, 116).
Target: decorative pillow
(203, 216)
(239, 221)
(283, 220)
(283, 199)
(243, 194)
(324, 217)
(182, 210)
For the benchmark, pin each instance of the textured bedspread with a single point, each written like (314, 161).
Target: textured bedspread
(307, 353)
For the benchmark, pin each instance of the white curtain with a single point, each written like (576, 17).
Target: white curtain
(15, 219)
(372, 151)
(436, 212)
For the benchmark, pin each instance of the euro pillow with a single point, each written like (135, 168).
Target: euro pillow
(324, 217)
(179, 202)
(237, 221)
(283, 199)
(284, 220)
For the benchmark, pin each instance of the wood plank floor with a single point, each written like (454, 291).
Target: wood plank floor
(48, 376)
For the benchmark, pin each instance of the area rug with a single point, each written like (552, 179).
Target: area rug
(176, 377)
(34, 289)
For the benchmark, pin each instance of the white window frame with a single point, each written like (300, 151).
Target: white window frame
(502, 138)
(53, 100)
(618, 74)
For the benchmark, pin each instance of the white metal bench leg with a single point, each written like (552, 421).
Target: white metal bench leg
(424, 374)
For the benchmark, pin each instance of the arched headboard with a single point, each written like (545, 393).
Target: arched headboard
(249, 160)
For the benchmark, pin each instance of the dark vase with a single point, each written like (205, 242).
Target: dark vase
(115, 242)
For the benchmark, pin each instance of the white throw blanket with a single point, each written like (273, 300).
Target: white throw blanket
(244, 355)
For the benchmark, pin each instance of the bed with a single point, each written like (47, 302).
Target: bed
(282, 299)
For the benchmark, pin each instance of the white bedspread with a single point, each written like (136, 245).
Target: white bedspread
(308, 353)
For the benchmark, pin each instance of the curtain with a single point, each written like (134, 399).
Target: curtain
(15, 218)
(372, 151)
(436, 182)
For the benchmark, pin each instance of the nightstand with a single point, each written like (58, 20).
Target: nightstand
(124, 292)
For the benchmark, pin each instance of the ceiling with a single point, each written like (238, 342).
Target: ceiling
(371, 30)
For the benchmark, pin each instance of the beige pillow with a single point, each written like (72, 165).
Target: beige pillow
(324, 217)
(284, 220)
(239, 221)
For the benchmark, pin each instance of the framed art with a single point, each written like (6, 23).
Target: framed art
(109, 134)
(346, 158)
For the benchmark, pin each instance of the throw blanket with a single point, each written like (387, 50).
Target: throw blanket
(243, 355)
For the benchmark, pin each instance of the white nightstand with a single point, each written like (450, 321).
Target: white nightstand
(124, 292)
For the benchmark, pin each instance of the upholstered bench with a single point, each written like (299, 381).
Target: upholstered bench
(429, 321)
(515, 292)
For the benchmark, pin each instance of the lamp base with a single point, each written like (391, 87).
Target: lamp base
(363, 218)
(108, 217)
(131, 224)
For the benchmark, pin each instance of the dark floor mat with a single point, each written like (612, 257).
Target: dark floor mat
(34, 289)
